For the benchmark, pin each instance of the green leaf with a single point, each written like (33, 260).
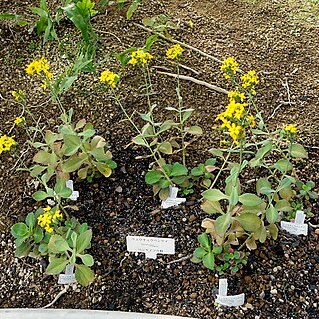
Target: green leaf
(166, 148)
(56, 265)
(249, 221)
(273, 230)
(234, 196)
(72, 164)
(216, 152)
(198, 171)
(194, 130)
(222, 224)
(42, 157)
(58, 244)
(204, 241)
(283, 206)
(87, 260)
(217, 250)
(103, 168)
(38, 235)
(178, 170)
(297, 150)
(72, 144)
(83, 241)
(22, 250)
(214, 195)
(139, 140)
(5, 16)
(83, 274)
(272, 215)
(199, 252)
(186, 114)
(36, 170)
(249, 199)
(30, 220)
(261, 153)
(152, 177)
(263, 185)
(283, 166)
(40, 195)
(87, 133)
(209, 261)
(132, 8)
(211, 207)
(61, 189)
(19, 230)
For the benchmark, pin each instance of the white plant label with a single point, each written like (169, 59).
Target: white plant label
(75, 194)
(172, 199)
(298, 227)
(230, 301)
(68, 277)
(151, 246)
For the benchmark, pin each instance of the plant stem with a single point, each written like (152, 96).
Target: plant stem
(158, 160)
(179, 98)
(221, 169)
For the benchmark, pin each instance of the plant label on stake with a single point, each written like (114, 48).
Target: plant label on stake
(151, 246)
(298, 227)
(172, 199)
(75, 194)
(68, 277)
(230, 301)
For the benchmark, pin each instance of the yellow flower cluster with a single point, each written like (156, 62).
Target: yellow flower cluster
(18, 96)
(291, 128)
(250, 79)
(140, 57)
(6, 142)
(175, 52)
(18, 120)
(48, 217)
(40, 67)
(236, 95)
(109, 78)
(229, 67)
(235, 118)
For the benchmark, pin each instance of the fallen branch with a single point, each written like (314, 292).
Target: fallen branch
(189, 78)
(179, 42)
(62, 292)
(179, 260)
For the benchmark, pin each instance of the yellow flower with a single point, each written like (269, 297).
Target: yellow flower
(235, 132)
(291, 128)
(140, 57)
(39, 67)
(249, 80)
(236, 96)
(19, 96)
(6, 142)
(109, 78)
(229, 67)
(251, 120)
(49, 218)
(18, 120)
(175, 52)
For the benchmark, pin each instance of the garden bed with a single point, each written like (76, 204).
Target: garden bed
(281, 278)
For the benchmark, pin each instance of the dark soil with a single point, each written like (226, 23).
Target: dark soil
(281, 278)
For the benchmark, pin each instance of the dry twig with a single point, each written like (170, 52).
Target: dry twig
(62, 292)
(189, 78)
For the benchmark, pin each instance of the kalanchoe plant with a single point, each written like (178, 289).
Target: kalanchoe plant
(44, 234)
(245, 218)
(73, 149)
(161, 139)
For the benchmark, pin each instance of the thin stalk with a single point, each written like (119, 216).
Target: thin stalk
(179, 98)
(221, 169)
(145, 141)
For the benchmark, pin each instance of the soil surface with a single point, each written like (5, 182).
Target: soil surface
(278, 40)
